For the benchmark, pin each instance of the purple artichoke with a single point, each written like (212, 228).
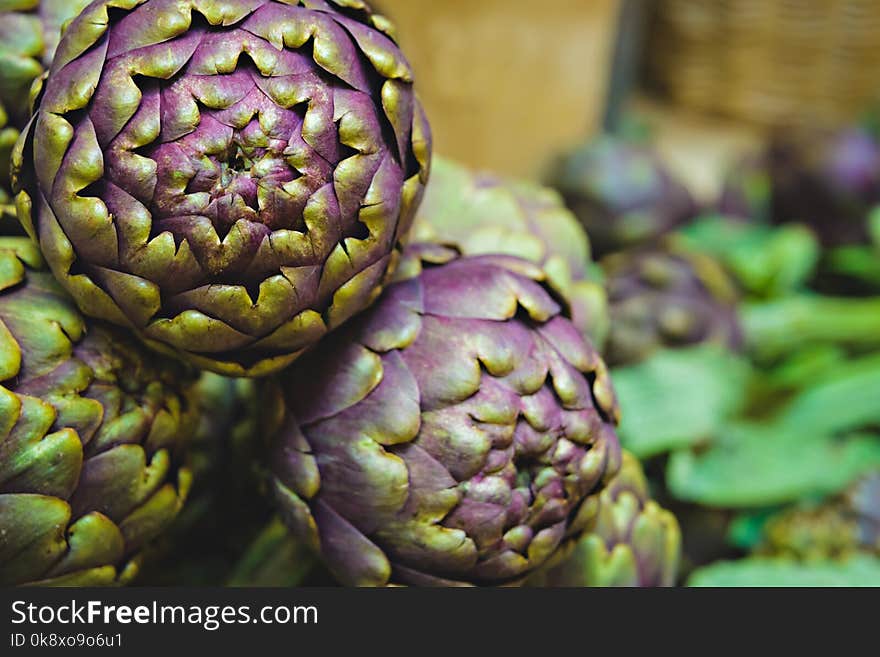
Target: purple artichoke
(621, 193)
(91, 429)
(667, 297)
(231, 179)
(827, 180)
(455, 433)
(631, 541)
(480, 213)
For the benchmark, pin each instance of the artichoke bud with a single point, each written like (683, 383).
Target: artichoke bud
(667, 296)
(621, 193)
(232, 181)
(91, 435)
(629, 541)
(480, 213)
(453, 434)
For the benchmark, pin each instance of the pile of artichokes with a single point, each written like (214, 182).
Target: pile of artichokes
(228, 358)
(251, 334)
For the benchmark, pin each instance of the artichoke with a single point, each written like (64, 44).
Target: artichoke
(621, 193)
(29, 33)
(631, 541)
(838, 528)
(230, 180)
(827, 180)
(91, 428)
(456, 433)
(479, 213)
(667, 297)
(199, 548)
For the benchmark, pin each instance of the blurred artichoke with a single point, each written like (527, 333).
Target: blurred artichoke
(231, 180)
(199, 548)
(458, 432)
(631, 541)
(827, 180)
(8, 136)
(667, 297)
(479, 213)
(275, 558)
(621, 193)
(29, 33)
(91, 430)
(847, 524)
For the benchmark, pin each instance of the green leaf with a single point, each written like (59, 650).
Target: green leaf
(803, 368)
(858, 262)
(747, 528)
(861, 570)
(678, 397)
(767, 261)
(776, 328)
(848, 398)
(752, 465)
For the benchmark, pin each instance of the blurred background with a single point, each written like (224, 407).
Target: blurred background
(724, 158)
(508, 83)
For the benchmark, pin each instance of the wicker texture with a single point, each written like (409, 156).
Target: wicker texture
(773, 62)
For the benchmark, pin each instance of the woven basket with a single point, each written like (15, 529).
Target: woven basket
(774, 62)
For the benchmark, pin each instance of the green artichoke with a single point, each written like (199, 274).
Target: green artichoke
(845, 525)
(631, 541)
(275, 558)
(90, 433)
(667, 297)
(621, 193)
(224, 453)
(480, 213)
(229, 179)
(456, 433)
(29, 33)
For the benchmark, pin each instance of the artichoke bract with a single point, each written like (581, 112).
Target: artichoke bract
(91, 428)
(632, 541)
(667, 297)
(453, 434)
(621, 193)
(480, 213)
(231, 180)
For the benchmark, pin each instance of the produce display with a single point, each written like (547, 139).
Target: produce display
(253, 332)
